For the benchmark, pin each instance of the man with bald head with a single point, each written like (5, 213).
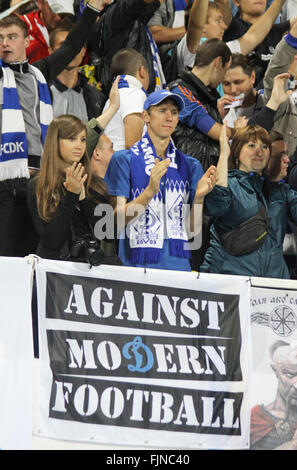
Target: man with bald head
(274, 426)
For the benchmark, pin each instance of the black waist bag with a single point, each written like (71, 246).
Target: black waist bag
(248, 236)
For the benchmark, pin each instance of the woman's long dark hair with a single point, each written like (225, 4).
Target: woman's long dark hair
(49, 187)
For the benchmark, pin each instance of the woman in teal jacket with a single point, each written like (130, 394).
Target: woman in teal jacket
(238, 195)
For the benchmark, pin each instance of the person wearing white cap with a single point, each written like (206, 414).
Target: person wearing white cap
(42, 22)
(153, 186)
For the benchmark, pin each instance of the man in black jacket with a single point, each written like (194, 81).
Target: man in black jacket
(200, 123)
(238, 85)
(71, 91)
(124, 25)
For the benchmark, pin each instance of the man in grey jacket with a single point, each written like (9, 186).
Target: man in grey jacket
(285, 60)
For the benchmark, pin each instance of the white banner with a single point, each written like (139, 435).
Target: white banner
(145, 358)
(16, 355)
(274, 380)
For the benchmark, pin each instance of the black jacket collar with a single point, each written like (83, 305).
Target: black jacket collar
(21, 67)
(61, 87)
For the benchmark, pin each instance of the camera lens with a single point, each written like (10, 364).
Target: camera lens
(95, 258)
(93, 254)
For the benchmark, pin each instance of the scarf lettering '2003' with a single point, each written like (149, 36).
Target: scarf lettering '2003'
(167, 212)
(14, 145)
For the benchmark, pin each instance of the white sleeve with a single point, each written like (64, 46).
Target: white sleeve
(184, 57)
(132, 101)
(234, 46)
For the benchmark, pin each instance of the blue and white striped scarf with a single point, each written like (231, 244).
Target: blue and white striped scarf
(127, 80)
(166, 214)
(159, 74)
(14, 145)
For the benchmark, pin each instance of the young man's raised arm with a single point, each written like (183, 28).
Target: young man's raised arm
(282, 61)
(55, 63)
(197, 20)
(259, 30)
(222, 166)
(162, 33)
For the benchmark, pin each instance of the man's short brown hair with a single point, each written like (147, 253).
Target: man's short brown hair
(210, 50)
(240, 60)
(64, 26)
(212, 6)
(127, 62)
(14, 20)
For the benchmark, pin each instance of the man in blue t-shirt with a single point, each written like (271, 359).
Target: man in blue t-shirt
(157, 191)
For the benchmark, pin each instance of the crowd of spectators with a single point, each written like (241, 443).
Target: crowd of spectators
(117, 120)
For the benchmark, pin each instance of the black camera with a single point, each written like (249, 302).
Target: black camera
(87, 249)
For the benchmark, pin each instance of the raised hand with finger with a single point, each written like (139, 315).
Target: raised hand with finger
(158, 170)
(205, 184)
(75, 178)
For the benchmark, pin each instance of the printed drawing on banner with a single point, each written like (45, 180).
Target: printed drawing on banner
(281, 318)
(274, 346)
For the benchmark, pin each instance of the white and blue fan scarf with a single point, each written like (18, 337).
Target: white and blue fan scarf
(128, 81)
(14, 145)
(158, 69)
(166, 214)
